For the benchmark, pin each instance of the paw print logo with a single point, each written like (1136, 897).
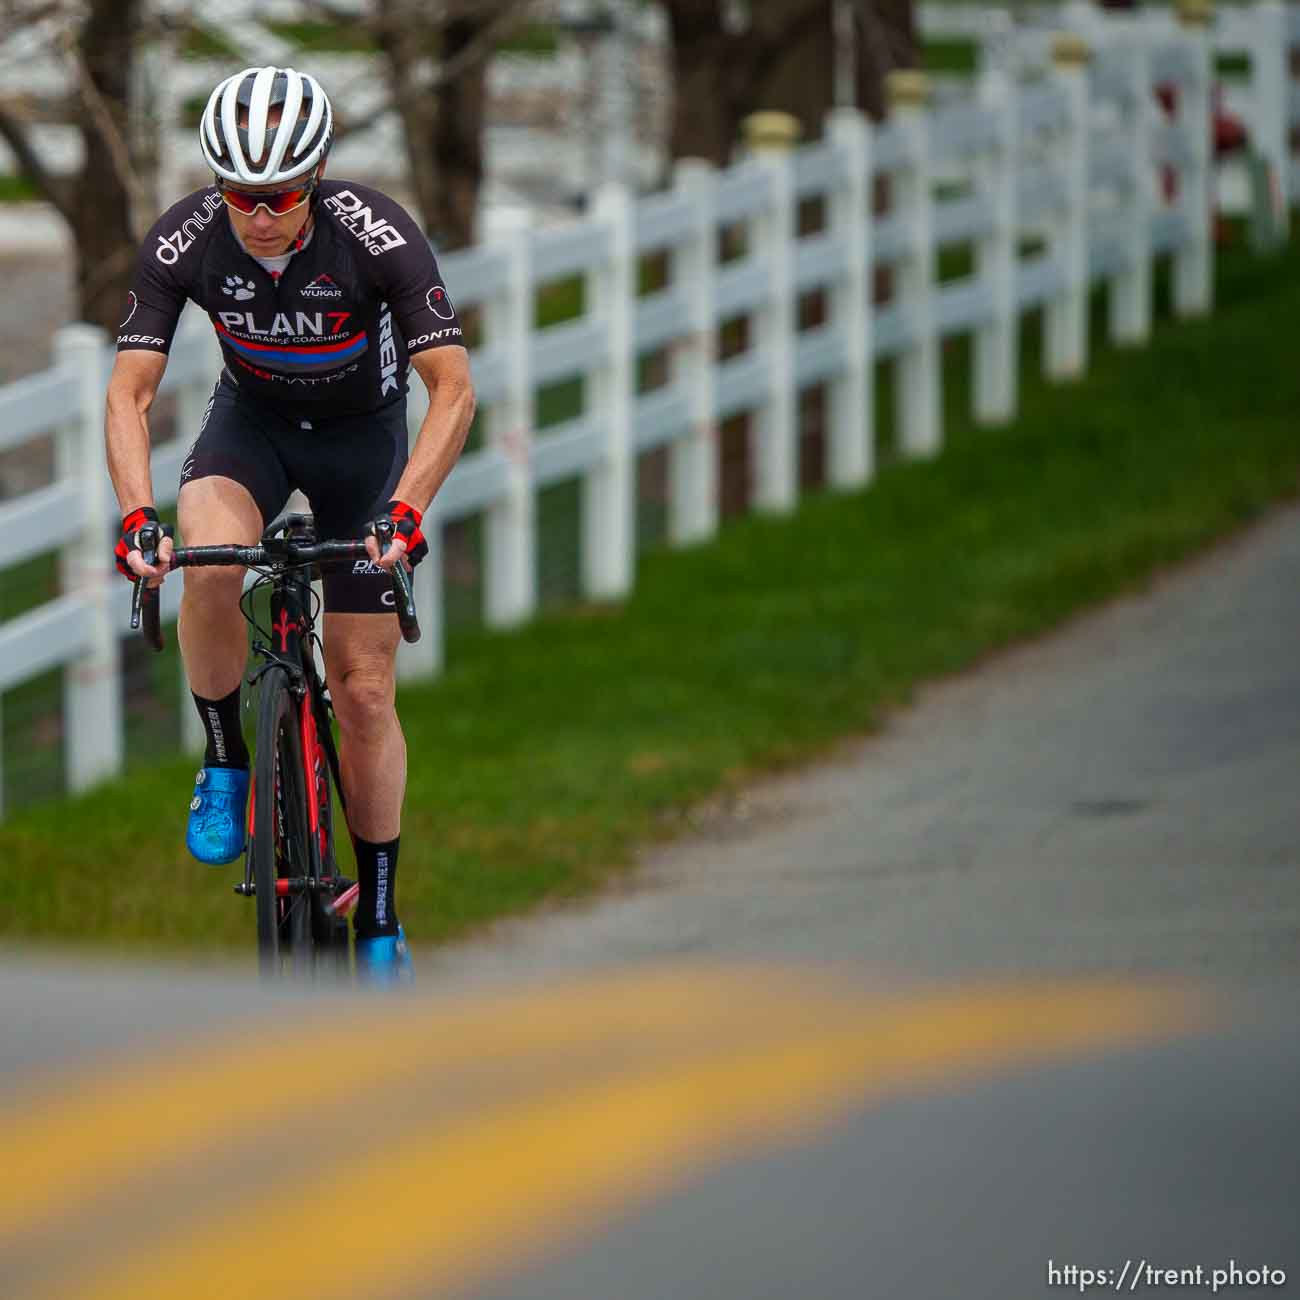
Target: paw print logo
(242, 290)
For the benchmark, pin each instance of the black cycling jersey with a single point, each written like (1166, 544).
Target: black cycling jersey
(337, 326)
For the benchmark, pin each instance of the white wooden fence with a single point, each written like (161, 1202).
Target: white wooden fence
(1070, 162)
(1261, 34)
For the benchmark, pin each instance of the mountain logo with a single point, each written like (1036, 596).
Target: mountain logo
(322, 287)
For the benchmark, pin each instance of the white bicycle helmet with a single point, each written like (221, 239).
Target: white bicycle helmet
(258, 154)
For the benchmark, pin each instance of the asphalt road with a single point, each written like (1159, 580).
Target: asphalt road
(1119, 797)
(1009, 988)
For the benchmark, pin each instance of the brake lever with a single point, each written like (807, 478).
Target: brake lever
(146, 601)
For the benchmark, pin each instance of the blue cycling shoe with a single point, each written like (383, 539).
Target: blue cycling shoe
(215, 834)
(384, 961)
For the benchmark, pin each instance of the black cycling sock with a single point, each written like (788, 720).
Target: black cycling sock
(377, 879)
(220, 719)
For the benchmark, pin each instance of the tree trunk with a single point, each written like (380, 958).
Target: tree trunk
(101, 215)
(705, 59)
(783, 58)
(458, 124)
(795, 61)
(401, 37)
(885, 38)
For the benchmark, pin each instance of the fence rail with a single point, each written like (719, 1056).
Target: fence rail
(1261, 36)
(1077, 179)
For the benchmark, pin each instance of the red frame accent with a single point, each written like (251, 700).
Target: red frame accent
(252, 801)
(346, 901)
(284, 627)
(310, 744)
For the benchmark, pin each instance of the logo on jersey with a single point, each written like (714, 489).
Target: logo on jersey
(376, 233)
(439, 303)
(311, 341)
(241, 289)
(387, 354)
(170, 247)
(434, 336)
(332, 377)
(321, 287)
(135, 302)
(297, 325)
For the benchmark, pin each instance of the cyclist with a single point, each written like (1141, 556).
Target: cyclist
(323, 295)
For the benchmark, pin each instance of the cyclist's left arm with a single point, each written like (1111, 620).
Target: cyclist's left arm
(408, 279)
(445, 371)
(442, 435)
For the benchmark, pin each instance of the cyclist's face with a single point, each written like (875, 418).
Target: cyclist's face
(261, 233)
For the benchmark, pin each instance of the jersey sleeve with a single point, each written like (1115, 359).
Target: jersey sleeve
(154, 302)
(414, 289)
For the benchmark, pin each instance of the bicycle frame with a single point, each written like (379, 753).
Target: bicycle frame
(293, 629)
(288, 548)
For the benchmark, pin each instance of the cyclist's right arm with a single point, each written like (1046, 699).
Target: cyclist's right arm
(159, 287)
(131, 390)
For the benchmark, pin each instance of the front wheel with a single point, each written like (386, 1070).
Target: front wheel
(280, 845)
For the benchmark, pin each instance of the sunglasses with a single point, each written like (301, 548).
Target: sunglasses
(277, 203)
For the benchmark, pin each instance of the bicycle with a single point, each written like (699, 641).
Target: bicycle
(290, 869)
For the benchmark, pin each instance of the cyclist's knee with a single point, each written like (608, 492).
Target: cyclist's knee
(216, 511)
(214, 586)
(364, 698)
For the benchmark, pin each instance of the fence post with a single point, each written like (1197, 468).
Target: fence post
(424, 659)
(1128, 297)
(1194, 262)
(92, 683)
(1065, 355)
(1270, 85)
(693, 460)
(776, 422)
(995, 391)
(609, 489)
(850, 459)
(510, 541)
(918, 416)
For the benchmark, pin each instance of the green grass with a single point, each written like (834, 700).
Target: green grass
(949, 56)
(542, 758)
(17, 189)
(205, 43)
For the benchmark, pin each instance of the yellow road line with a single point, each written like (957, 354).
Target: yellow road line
(452, 1203)
(63, 1142)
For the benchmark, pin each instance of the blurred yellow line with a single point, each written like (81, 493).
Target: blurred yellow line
(453, 1203)
(66, 1140)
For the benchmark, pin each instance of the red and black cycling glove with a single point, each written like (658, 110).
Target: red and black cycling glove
(406, 522)
(130, 539)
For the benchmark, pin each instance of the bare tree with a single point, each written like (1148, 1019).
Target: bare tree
(103, 202)
(437, 57)
(781, 57)
(884, 39)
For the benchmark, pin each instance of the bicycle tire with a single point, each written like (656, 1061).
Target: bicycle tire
(279, 843)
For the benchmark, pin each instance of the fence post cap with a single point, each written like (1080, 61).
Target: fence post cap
(1195, 13)
(907, 88)
(1070, 50)
(771, 131)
